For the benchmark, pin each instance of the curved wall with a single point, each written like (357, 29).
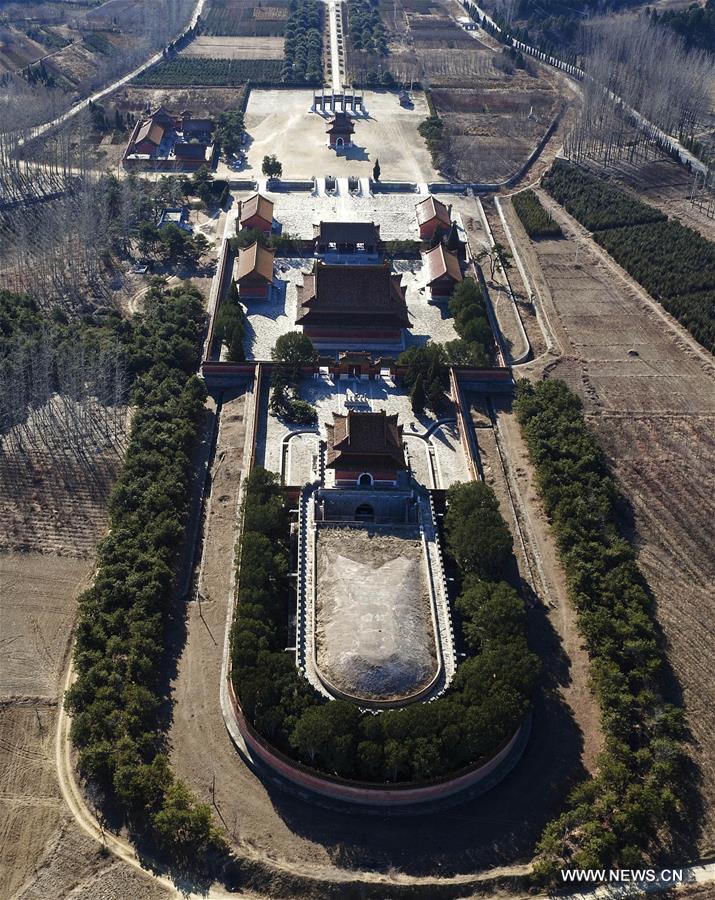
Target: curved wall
(365, 795)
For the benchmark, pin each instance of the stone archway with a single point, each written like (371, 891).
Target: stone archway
(339, 143)
(365, 513)
(366, 480)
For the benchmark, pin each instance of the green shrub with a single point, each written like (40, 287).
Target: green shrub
(537, 222)
(626, 810)
(595, 204)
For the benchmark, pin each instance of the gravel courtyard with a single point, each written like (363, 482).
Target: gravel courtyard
(374, 632)
(280, 122)
(435, 452)
(268, 319)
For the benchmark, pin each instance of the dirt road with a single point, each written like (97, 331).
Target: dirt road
(649, 393)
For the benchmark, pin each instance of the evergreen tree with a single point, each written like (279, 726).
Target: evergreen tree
(418, 398)
(435, 395)
(376, 170)
(453, 242)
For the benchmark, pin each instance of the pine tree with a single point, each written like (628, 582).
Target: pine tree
(376, 170)
(417, 396)
(453, 242)
(437, 236)
(233, 293)
(435, 395)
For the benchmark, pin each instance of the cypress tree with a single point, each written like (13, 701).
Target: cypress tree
(417, 395)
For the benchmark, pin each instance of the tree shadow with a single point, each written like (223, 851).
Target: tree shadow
(686, 835)
(498, 827)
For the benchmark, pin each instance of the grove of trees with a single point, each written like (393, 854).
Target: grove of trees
(365, 27)
(625, 813)
(230, 325)
(230, 130)
(536, 221)
(490, 694)
(595, 203)
(293, 352)
(117, 698)
(63, 383)
(476, 341)
(179, 71)
(674, 263)
(303, 48)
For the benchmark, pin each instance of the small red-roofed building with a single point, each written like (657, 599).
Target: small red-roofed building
(254, 272)
(256, 212)
(340, 131)
(442, 270)
(431, 215)
(365, 449)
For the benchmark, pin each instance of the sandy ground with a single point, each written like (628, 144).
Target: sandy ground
(374, 631)
(42, 852)
(235, 47)
(280, 122)
(649, 392)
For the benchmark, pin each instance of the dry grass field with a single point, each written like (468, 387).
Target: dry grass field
(202, 101)
(649, 394)
(42, 851)
(246, 17)
(236, 47)
(50, 506)
(494, 112)
(52, 513)
(17, 50)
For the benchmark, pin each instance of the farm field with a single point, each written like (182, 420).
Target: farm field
(43, 853)
(236, 47)
(189, 71)
(245, 17)
(492, 111)
(649, 395)
(489, 133)
(668, 186)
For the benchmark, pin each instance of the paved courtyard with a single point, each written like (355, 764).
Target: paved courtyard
(280, 122)
(268, 319)
(434, 452)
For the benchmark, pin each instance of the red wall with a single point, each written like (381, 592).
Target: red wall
(353, 334)
(377, 474)
(257, 222)
(253, 289)
(144, 147)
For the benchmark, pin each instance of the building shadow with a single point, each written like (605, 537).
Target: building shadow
(355, 153)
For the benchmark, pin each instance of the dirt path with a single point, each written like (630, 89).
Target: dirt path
(649, 392)
(125, 79)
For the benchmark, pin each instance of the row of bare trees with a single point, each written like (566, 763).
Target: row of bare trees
(633, 64)
(148, 26)
(62, 399)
